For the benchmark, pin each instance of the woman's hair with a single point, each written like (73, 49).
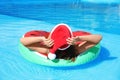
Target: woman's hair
(68, 54)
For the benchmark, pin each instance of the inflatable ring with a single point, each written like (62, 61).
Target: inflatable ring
(59, 43)
(85, 57)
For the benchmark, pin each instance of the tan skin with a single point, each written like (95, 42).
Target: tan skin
(33, 43)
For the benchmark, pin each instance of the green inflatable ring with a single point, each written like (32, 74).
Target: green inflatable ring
(87, 56)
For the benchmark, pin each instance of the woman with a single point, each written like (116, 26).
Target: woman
(42, 44)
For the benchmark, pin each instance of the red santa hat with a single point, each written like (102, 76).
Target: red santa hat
(59, 34)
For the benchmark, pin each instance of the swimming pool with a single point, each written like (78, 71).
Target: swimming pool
(16, 19)
(100, 17)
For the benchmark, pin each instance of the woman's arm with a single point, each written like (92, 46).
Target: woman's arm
(94, 38)
(30, 40)
(91, 38)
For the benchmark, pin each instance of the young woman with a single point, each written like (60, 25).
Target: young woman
(42, 44)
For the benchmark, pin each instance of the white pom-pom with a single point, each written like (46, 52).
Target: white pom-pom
(51, 56)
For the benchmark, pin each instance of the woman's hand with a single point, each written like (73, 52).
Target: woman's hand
(48, 42)
(73, 40)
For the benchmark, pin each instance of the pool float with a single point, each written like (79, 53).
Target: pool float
(59, 43)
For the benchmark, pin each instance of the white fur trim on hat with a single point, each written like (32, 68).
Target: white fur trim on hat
(51, 56)
(64, 48)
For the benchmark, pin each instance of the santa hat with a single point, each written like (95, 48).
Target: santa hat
(59, 34)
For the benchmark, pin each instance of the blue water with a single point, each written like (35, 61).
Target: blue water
(102, 19)
(99, 17)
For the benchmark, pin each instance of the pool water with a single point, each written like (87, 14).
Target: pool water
(100, 17)
(16, 19)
